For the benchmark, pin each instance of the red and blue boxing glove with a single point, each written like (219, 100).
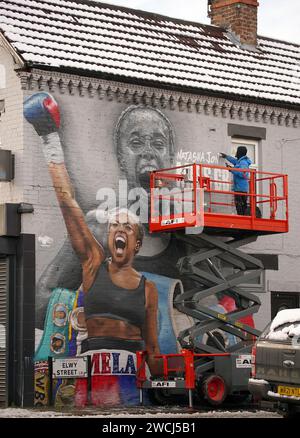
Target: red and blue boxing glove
(42, 112)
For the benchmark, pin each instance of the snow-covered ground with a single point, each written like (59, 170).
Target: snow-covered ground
(137, 413)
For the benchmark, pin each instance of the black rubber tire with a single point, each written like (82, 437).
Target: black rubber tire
(214, 389)
(161, 397)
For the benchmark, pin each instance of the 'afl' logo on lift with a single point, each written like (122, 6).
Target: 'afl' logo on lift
(179, 220)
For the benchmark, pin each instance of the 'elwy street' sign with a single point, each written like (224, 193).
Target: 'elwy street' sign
(69, 368)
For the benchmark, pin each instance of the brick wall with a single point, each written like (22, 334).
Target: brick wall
(89, 145)
(87, 131)
(11, 126)
(238, 16)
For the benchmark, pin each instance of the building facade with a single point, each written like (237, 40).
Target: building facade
(116, 121)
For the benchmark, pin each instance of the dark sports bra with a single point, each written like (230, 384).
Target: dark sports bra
(107, 300)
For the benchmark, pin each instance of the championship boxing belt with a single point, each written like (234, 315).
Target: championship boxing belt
(54, 341)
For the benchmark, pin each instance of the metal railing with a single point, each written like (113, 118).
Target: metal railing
(195, 194)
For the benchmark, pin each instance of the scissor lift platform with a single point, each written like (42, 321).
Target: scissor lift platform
(199, 195)
(198, 199)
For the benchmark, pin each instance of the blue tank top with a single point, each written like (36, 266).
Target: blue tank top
(106, 300)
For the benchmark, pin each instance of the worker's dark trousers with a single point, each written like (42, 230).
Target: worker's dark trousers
(240, 204)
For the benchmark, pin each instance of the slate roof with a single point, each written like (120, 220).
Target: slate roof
(100, 39)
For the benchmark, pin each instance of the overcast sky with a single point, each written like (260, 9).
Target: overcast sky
(276, 18)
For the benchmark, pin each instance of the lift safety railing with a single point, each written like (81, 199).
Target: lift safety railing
(201, 195)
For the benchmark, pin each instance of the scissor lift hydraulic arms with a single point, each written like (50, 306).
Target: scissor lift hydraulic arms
(246, 268)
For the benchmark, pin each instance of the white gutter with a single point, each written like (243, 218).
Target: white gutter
(17, 58)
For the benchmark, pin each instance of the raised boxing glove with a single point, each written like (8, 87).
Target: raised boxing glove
(41, 110)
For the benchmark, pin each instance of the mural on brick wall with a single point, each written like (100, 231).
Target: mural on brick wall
(109, 291)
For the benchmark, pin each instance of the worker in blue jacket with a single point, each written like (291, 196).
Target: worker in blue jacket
(240, 179)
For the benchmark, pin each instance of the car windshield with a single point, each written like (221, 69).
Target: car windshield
(266, 331)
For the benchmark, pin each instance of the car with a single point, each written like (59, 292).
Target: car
(275, 360)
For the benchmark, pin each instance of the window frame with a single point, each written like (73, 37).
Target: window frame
(260, 286)
(240, 141)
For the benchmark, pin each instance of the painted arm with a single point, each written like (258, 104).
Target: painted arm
(84, 243)
(41, 110)
(150, 331)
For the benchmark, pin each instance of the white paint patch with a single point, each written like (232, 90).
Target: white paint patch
(199, 157)
(2, 77)
(2, 336)
(45, 241)
(38, 337)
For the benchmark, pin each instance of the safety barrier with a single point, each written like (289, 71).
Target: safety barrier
(198, 195)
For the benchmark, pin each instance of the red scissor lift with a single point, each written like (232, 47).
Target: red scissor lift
(197, 203)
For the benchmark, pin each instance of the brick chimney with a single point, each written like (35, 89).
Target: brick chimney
(238, 16)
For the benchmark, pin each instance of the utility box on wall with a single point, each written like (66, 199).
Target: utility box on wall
(6, 165)
(10, 220)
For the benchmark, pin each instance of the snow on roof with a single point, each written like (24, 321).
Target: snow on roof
(98, 38)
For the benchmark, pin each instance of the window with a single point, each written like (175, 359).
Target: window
(252, 148)
(253, 154)
(284, 300)
(258, 284)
